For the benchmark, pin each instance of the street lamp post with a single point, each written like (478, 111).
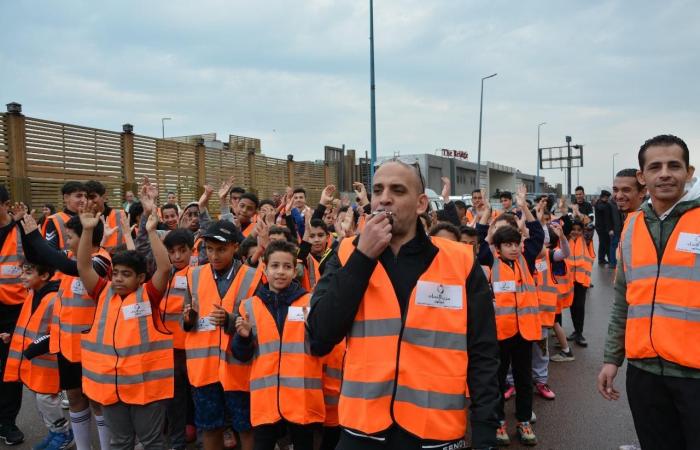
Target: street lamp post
(162, 124)
(537, 177)
(481, 115)
(613, 164)
(373, 115)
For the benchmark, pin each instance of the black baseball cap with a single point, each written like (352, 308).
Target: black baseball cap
(223, 231)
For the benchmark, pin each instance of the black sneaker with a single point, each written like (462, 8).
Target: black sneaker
(572, 336)
(11, 434)
(581, 341)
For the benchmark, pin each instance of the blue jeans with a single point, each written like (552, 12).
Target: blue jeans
(614, 241)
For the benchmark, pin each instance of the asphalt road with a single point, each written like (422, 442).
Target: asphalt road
(579, 418)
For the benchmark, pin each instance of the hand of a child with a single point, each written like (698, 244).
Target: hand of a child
(5, 338)
(243, 327)
(217, 317)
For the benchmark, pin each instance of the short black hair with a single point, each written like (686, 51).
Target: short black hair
(469, 231)
(509, 218)
(179, 236)
(135, 212)
(169, 206)
(41, 269)
(280, 246)
(236, 190)
(506, 235)
(580, 188)
(506, 194)
(75, 226)
(4, 194)
(266, 201)
(51, 207)
(630, 173)
(73, 186)
(245, 247)
(476, 191)
(318, 223)
(95, 187)
(299, 190)
(252, 197)
(577, 223)
(444, 226)
(131, 259)
(276, 229)
(442, 216)
(460, 204)
(663, 140)
(171, 192)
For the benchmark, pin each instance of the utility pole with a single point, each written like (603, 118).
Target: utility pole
(373, 115)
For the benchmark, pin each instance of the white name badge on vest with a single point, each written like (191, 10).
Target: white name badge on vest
(11, 271)
(504, 286)
(180, 282)
(541, 266)
(438, 295)
(136, 310)
(204, 324)
(689, 243)
(295, 314)
(77, 287)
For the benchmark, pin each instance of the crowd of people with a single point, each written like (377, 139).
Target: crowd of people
(365, 324)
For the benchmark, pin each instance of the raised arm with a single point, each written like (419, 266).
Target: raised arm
(522, 204)
(90, 278)
(160, 277)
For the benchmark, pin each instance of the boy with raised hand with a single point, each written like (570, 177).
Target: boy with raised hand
(286, 379)
(127, 353)
(37, 371)
(219, 382)
(73, 313)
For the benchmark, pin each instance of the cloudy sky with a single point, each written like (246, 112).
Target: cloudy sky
(296, 73)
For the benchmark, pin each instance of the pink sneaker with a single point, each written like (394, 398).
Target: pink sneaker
(544, 390)
(509, 393)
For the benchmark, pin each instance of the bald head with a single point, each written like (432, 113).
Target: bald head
(410, 173)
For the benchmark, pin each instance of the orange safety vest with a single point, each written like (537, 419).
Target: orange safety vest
(663, 316)
(59, 221)
(285, 379)
(126, 358)
(311, 273)
(194, 259)
(117, 238)
(361, 221)
(208, 348)
(250, 227)
(580, 261)
(11, 255)
(412, 372)
(73, 313)
(332, 377)
(547, 291)
(517, 308)
(171, 306)
(39, 374)
(565, 286)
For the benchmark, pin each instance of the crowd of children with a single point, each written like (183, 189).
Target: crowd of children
(167, 325)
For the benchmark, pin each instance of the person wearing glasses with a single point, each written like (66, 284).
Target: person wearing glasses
(420, 328)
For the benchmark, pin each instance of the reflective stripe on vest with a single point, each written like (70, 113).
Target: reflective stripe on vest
(547, 291)
(663, 305)
(39, 374)
(11, 255)
(285, 379)
(74, 313)
(209, 357)
(332, 376)
(517, 311)
(171, 306)
(117, 238)
(126, 359)
(580, 261)
(424, 392)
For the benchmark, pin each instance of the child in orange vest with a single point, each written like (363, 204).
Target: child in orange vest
(127, 353)
(580, 263)
(286, 380)
(38, 371)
